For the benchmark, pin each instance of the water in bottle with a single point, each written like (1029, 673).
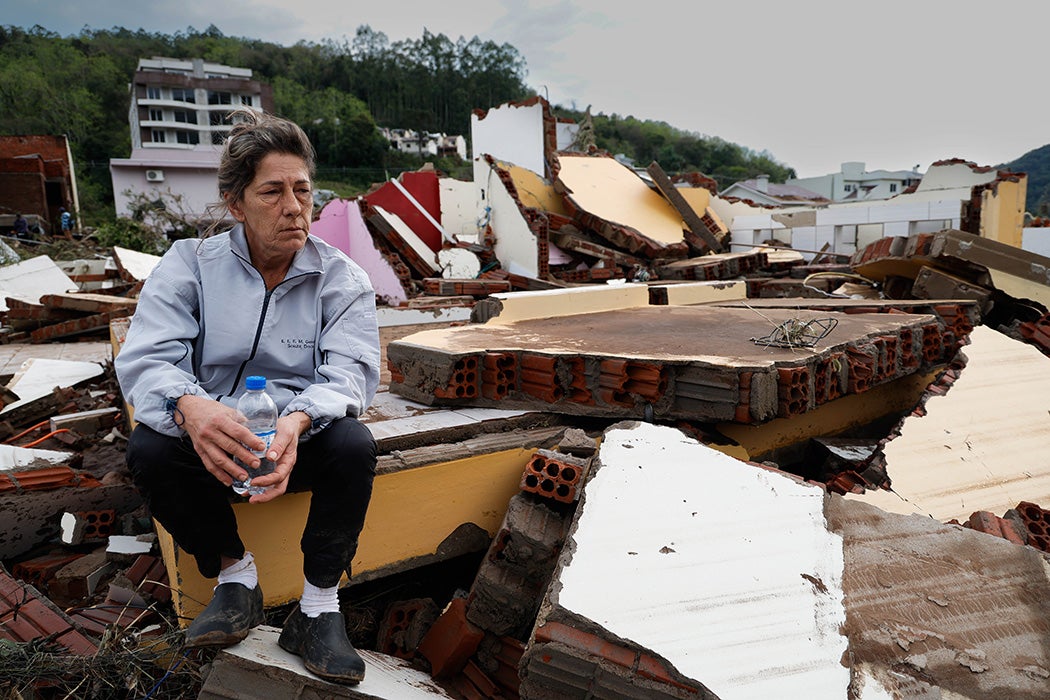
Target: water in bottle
(260, 413)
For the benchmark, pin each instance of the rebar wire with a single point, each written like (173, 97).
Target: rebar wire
(795, 333)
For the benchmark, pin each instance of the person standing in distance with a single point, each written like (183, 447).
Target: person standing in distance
(264, 298)
(66, 222)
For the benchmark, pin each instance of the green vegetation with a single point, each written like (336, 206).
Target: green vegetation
(1037, 164)
(337, 91)
(678, 151)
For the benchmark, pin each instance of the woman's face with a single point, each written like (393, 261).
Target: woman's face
(276, 208)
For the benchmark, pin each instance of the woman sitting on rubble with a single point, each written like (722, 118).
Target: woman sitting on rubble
(263, 298)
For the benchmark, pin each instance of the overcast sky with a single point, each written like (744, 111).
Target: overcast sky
(815, 83)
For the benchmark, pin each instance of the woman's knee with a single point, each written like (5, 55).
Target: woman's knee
(349, 438)
(153, 457)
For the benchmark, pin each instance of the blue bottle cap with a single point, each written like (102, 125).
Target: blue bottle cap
(254, 382)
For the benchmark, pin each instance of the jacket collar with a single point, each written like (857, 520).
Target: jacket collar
(307, 260)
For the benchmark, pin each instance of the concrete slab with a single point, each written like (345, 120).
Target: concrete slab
(797, 593)
(982, 446)
(732, 601)
(12, 457)
(38, 377)
(689, 362)
(546, 303)
(940, 611)
(134, 266)
(30, 279)
(701, 292)
(610, 198)
(982, 261)
(14, 355)
(258, 667)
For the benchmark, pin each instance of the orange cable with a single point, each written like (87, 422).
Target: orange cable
(26, 431)
(40, 440)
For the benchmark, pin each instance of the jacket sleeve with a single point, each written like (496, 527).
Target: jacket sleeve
(155, 364)
(348, 375)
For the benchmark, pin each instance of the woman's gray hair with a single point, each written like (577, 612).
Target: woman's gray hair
(254, 136)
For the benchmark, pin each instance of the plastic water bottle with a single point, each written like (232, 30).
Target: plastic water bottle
(261, 414)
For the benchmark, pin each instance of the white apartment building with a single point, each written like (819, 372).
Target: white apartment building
(854, 184)
(179, 118)
(184, 103)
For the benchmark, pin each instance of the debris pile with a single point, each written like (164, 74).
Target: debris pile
(649, 466)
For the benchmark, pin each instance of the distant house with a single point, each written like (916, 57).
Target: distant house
(953, 194)
(854, 184)
(761, 191)
(421, 143)
(179, 120)
(36, 179)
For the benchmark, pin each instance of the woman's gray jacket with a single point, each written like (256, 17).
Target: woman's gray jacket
(205, 321)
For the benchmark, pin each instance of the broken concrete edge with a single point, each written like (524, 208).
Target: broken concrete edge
(569, 651)
(561, 636)
(749, 391)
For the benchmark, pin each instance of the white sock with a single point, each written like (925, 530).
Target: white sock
(319, 600)
(242, 572)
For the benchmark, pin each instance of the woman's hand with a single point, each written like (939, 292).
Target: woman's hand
(218, 436)
(284, 449)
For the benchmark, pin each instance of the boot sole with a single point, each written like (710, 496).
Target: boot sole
(215, 639)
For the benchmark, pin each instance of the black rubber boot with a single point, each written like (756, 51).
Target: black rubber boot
(324, 646)
(232, 612)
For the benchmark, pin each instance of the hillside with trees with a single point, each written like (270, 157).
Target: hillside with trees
(337, 91)
(1037, 164)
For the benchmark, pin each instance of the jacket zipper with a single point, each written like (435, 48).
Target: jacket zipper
(258, 331)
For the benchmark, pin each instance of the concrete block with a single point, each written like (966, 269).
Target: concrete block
(503, 601)
(80, 578)
(531, 537)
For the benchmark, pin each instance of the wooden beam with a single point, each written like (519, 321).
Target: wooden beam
(691, 218)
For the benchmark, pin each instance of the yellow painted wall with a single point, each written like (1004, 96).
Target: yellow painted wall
(832, 418)
(411, 513)
(613, 192)
(534, 191)
(1002, 212)
(699, 198)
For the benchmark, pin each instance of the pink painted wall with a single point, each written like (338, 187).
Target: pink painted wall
(341, 225)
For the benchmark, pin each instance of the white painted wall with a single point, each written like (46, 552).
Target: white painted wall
(459, 208)
(954, 175)
(198, 188)
(849, 227)
(1036, 240)
(712, 576)
(509, 133)
(515, 247)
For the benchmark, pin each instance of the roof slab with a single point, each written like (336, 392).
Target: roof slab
(697, 363)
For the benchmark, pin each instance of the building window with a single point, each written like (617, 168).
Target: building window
(185, 117)
(183, 95)
(189, 137)
(893, 187)
(220, 98)
(153, 93)
(156, 115)
(217, 137)
(157, 135)
(246, 100)
(847, 188)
